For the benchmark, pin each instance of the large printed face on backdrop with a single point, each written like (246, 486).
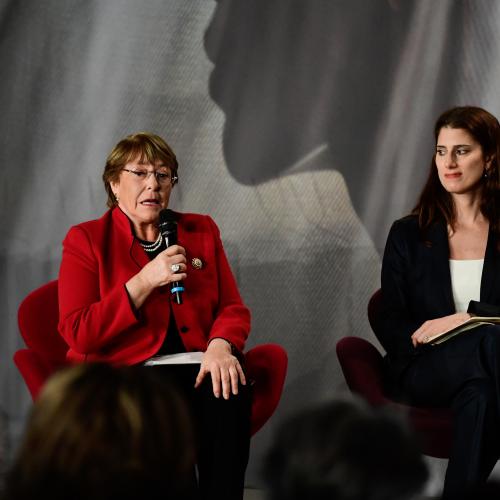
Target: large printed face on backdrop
(293, 75)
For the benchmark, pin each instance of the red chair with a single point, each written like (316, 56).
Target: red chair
(362, 365)
(45, 353)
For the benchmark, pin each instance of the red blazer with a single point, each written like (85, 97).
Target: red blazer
(96, 317)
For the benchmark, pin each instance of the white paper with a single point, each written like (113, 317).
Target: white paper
(182, 358)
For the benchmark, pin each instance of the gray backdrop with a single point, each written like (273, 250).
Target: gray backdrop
(302, 127)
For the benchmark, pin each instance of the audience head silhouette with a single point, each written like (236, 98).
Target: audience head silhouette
(103, 433)
(341, 451)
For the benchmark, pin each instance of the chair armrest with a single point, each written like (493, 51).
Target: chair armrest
(362, 365)
(266, 367)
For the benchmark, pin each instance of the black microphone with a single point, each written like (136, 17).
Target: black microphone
(168, 229)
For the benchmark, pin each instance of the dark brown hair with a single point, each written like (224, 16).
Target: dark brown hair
(148, 147)
(434, 202)
(344, 450)
(104, 433)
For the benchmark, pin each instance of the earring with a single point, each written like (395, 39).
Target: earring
(485, 174)
(116, 198)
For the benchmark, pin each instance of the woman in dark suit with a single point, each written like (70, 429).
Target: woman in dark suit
(116, 305)
(442, 265)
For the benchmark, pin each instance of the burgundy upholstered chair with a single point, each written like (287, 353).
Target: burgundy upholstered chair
(362, 365)
(45, 353)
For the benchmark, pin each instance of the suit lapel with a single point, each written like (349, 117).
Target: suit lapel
(491, 269)
(126, 239)
(189, 237)
(441, 267)
(138, 254)
(440, 256)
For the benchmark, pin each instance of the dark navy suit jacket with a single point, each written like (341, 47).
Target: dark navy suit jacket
(416, 287)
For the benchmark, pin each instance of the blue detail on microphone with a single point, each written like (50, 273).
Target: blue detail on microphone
(177, 289)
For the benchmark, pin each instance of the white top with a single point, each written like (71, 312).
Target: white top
(465, 282)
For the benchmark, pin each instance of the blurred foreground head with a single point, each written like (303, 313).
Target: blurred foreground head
(103, 433)
(344, 451)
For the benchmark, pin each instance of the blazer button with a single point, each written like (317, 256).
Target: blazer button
(184, 329)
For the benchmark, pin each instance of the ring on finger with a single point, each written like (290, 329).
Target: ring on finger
(426, 339)
(175, 268)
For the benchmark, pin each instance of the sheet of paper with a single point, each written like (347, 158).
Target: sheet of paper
(182, 358)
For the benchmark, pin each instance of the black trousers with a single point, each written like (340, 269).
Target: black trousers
(222, 429)
(464, 374)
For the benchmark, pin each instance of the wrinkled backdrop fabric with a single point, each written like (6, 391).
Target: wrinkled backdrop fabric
(303, 127)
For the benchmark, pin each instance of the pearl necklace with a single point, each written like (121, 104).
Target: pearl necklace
(152, 247)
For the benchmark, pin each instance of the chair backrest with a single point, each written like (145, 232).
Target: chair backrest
(38, 316)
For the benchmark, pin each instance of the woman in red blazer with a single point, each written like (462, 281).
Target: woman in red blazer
(116, 305)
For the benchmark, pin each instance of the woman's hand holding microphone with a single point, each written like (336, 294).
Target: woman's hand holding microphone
(161, 271)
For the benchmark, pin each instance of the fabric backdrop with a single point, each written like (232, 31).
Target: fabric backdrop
(304, 127)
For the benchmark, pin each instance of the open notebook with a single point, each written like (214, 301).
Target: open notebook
(471, 323)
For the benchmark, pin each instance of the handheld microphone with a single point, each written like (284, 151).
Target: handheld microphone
(168, 229)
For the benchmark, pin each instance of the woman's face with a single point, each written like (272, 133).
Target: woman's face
(143, 190)
(460, 161)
